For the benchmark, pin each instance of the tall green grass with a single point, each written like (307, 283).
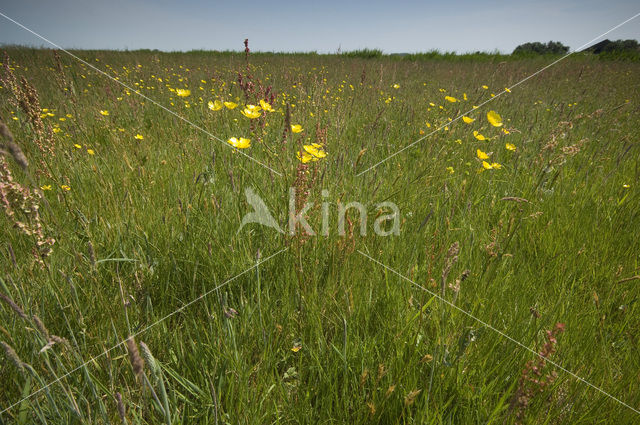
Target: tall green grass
(150, 225)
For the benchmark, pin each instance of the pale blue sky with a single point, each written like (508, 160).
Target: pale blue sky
(323, 26)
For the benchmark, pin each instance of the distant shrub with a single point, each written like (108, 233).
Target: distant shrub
(538, 48)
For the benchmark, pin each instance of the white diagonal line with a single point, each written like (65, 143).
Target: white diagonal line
(508, 89)
(500, 332)
(142, 330)
(191, 123)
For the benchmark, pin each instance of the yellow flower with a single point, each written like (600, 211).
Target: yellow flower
(468, 120)
(479, 136)
(505, 131)
(251, 113)
(464, 96)
(626, 186)
(312, 152)
(450, 99)
(296, 128)
(485, 87)
(230, 105)
(305, 157)
(507, 89)
(494, 119)
(510, 147)
(240, 143)
(183, 92)
(65, 187)
(91, 152)
(450, 170)
(482, 155)
(296, 348)
(215, 106)
(266, 106)
(138, 137)
(315, 150)
(56, 130)
(396, 86)
(492, 166)
(105, 113)
(77, 146)
(46, 187)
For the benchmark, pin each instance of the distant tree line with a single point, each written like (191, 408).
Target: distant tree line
(557, 48)
(538, 48)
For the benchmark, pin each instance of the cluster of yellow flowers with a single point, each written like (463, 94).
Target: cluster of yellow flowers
(249, 111)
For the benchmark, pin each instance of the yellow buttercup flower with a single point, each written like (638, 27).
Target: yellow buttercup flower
(251, 113)
(315, 150)
(215, 106)
(65, 187)
(296, 128)
(240, 143)
(485, 87)
(104, 113)
(230, 105)
(468, 120)
(91, 152)
(450, 99)
(510, 147)
(479, 136)
(482, 155)
(450, 170)
(266, 106)
(138, 137)
(46, 187)
(396, 86)
(305, 157)
(494, 119)
(312, 152)
(253, 107)
(183, 92)
(492, 166)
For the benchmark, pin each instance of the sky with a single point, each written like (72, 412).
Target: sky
(399, 26)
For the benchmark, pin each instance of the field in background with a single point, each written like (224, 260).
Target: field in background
(145, 211)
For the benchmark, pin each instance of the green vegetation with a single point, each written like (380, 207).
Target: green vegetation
(537, 48)
(145, 211)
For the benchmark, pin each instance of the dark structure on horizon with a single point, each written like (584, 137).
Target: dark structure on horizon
(613, 46)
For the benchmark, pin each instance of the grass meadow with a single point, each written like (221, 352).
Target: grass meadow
(509, 295)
